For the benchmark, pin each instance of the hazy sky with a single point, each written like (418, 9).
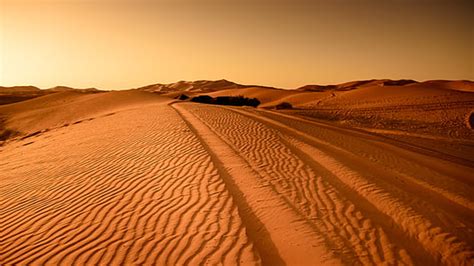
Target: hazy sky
(284, 43)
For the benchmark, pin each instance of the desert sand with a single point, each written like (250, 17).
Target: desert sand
(373, 172)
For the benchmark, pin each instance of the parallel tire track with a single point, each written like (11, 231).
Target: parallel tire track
(141, 192)
(363, 218)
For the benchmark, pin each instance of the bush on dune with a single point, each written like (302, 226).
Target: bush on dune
(183, 97)
(237, 101)
(227, 100)
(203, 99)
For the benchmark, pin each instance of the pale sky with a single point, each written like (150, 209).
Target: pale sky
(123, 44)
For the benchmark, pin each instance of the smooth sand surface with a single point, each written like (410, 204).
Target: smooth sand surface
(134, 178)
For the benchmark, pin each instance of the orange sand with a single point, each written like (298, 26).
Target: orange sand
(136, 178)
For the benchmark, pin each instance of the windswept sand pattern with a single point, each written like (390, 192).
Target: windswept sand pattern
(367, 213)
(453, 184)
(136, 187)
(143, 180)
(285, 240)
(427, 197)
(346, 231)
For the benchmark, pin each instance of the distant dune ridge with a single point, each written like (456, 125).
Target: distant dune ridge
(375, 172)
(21, 93)
(376, 104)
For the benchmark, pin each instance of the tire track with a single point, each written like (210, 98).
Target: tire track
(418, 222)
(291, 177)
(121, 189)
(290, 239)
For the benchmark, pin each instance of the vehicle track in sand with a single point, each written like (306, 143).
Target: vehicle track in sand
(175, 183)
(287, 237)
(139, 192)
(381, 206)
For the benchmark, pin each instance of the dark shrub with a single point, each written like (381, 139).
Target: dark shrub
(284, 105)
(203, 99)
(183, 97)
(237, 101)
(401, 82)
(254, 102)
(227, 100)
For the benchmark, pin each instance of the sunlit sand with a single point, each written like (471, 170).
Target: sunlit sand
(373, 172)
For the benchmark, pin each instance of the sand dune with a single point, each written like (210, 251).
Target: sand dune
(15, 94)
(137, 178)
(431, 114)
(19, 93)
(316, 184)
(135, 187)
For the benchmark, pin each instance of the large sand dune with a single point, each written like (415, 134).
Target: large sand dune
(133, 187)
(136, 178)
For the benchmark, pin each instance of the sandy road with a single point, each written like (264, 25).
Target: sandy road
(367, 201)
(186, 184)
(132, 188)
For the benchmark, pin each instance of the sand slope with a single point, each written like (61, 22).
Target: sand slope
(135, 178)
(437, 115)
(133, 187)
(370, 202)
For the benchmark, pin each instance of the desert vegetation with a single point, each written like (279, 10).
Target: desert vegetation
(227, 100)
(183, 97)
